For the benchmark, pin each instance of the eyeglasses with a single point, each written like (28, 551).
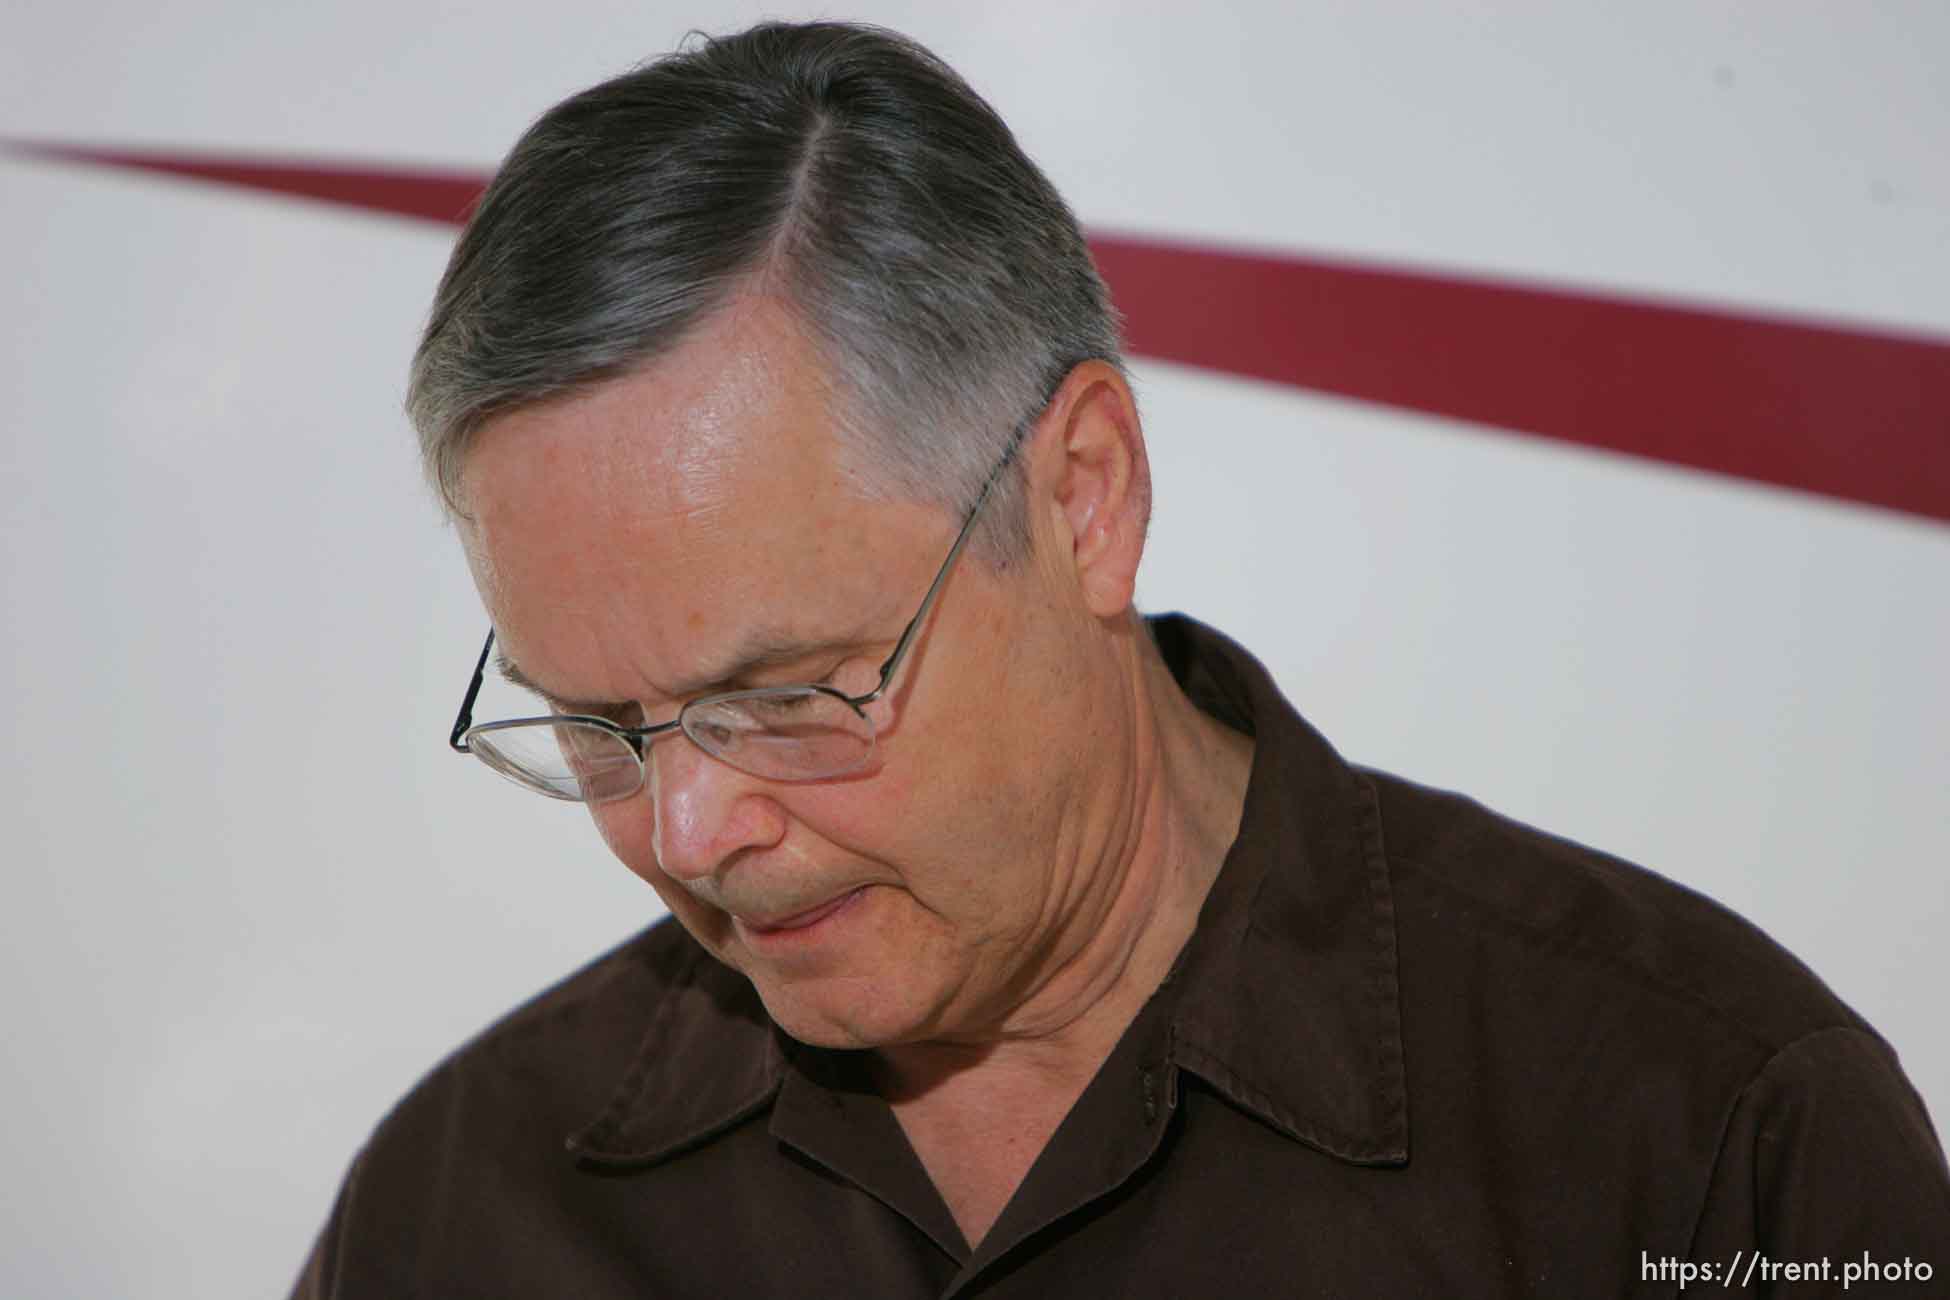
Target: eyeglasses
(783, 733)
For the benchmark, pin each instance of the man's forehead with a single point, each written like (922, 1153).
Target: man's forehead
(744, 393)
(681, 523)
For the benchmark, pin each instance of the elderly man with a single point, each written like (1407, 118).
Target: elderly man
(1021, 946)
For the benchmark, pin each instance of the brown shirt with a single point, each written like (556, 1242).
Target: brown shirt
(1413, 1049)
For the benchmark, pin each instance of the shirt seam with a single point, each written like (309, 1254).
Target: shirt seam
(1384, 980)
(1555, 943)
(1797, 1043)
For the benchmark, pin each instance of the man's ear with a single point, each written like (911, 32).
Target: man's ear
(1090, 475)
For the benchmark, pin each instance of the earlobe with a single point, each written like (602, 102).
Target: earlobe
(1102, 487)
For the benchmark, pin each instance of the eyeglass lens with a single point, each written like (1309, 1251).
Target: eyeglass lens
(799, 733)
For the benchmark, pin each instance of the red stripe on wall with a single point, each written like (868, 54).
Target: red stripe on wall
(446, 197)
(1857, 414)
(1845, 412)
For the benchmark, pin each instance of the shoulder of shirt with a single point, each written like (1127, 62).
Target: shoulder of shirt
(1583, 914)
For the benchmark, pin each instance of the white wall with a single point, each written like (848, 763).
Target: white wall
(249, 897)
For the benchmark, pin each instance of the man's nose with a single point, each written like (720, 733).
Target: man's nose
(706, 811)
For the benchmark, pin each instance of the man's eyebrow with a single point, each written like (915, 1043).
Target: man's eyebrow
(762, 650)
(511, 672)
(759, 652)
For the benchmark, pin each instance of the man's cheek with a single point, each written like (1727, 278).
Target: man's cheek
(629, 832)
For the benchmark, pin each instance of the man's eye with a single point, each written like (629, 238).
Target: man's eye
(772, 708)
(833, 677)
(622, 714)
(853, 676)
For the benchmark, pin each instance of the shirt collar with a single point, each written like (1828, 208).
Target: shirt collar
(709, 1059)
(1288, 1001)
(1285, 1000)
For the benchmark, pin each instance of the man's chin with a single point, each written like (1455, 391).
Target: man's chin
(843, 1015)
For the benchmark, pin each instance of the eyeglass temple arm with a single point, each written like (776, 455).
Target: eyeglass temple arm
(940, 579)
(465, 718)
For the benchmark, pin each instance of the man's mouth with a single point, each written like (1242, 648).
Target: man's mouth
(798, 921)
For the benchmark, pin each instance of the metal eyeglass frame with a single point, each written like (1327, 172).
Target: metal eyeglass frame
(638, 738)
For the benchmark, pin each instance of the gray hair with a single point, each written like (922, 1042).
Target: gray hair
(934, 267)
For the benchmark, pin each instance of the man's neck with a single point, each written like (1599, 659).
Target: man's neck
(979, 1112)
